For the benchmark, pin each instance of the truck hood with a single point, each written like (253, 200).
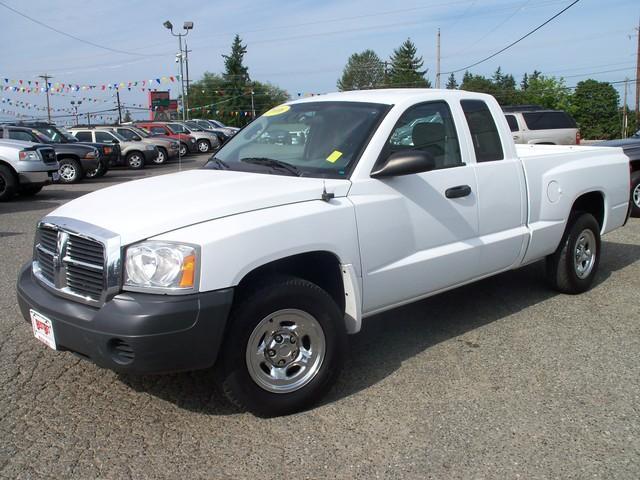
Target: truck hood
(145, 208)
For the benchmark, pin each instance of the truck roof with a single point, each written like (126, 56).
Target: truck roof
(17, 143)
(392, 96)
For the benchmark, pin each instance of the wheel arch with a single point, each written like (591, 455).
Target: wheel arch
(321, 267)
(592, 202)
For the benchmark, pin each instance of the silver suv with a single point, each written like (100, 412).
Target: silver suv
(167, 147)
(537, 126)
(206, 141)
(25, 167)
(136, 154)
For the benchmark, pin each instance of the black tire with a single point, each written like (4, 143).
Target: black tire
(184, 150)
(563, 270)
(162, 157)
(30, 190)
(204, 146)
(70, 171)
(275, 295)
(99, 171)
(8, 183)
(135, 160)
(635, 194)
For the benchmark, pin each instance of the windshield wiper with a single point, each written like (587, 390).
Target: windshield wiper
(270, 162)
(220, 164)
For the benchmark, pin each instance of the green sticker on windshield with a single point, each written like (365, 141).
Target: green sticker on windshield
(335, 155)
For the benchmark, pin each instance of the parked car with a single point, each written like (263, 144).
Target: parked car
(538, 126)
(296, 245)
(216, 123)
(206, 141)
(221, 133)
(25, 168)
(75, 160)
(187, 142)
(631, 148)
(109, 154)
(136, 154)
(168, 149)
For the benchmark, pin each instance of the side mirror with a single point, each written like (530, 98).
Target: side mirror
(405, 162)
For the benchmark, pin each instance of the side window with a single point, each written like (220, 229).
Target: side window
(428, 127)
(157, 130)
(484, 133)
(20, 135)
(104, 137)
(84, 136)
(513, 123)
(548, 120)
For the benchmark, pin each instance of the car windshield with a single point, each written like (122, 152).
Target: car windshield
(178, 128)
(140, 132)
(117, 135)
(193, 127)
(53, 133)
(67, 134)
(319, 139)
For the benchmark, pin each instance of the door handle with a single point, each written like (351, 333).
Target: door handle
(458, 192)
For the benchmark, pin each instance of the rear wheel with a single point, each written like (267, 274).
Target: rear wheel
(572, 268)
(635, 194)
(204, 146)
(70, 171)
(8, 183)
(284, 347)
(135, 160)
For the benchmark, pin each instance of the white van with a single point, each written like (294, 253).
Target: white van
(542, 127)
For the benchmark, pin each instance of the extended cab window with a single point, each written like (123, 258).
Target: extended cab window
(428, 127)
(84, 136)
(484, 133)
(513, 123)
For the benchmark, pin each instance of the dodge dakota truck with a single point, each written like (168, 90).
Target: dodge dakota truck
(267, 258)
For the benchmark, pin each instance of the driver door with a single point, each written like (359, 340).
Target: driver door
(418, 232)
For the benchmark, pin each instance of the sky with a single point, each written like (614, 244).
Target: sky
(302, 46)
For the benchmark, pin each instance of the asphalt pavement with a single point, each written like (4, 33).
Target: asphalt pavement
(499, 379)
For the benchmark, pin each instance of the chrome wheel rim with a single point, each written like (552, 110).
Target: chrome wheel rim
(160, 158)
(584, 257)
(636, 196)
(203, 147)
(285, 351)
(135, 161)
(183, 150)
(67, 172)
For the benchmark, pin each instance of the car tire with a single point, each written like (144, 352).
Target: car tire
(184, 150)
(99, 171)
(635, 194)
(574, 265)
(135, 160)
(70, 171)
(284, 347)
(8, 183)
(204, 146)
(161, 158)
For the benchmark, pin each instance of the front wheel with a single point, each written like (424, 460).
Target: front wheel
(8, 183)
(573, 266)
(635, 194)
(135, 160)
(204, 146)
(183, 149)
(99, 171)
(284, 347)
(161, 158)
(70, 171)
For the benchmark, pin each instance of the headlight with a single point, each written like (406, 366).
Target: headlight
(192, 140)
(92, 154)
(150, 147)
(28, 156)
(161, 266)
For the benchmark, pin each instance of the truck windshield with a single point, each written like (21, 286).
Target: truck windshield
(319, 139)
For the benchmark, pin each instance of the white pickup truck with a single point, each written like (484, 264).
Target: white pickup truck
(315, 216)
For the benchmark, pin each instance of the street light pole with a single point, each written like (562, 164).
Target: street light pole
(187, 26)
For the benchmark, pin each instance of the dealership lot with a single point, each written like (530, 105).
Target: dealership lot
(500, 379)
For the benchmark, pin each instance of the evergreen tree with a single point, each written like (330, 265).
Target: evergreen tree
(524, 84)
(452, 83)
(236, 81)
(363, 70)
(235, 70)
(406, 68)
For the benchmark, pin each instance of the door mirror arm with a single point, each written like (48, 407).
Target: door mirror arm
(405, 162)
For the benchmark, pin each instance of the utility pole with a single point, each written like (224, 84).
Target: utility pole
(186, 63)
(46, 78)
(624, 110)
(119, 109)
(438, 61)
(88, 119)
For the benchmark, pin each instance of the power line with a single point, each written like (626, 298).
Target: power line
(517, 41)
(88, 42)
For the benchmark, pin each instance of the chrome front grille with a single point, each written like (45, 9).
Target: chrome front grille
(70, 263)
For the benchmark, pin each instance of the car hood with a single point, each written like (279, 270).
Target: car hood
(145, 208)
